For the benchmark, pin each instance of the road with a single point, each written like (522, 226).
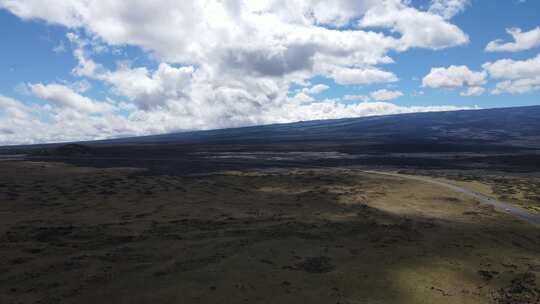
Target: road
(499, 205)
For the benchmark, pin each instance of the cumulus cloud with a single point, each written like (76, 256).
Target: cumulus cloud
(333, 109)
(519, 86)
(517, 76)
(417, 28)
(13, 109)
(337, 13)
(305, 95)
(513, 69)
(227, 63)
(362, 98)
(473, 91)
(447, 8)
(455, 77)
(269, 37)
(385, 95)
(316, 89)
(17, 122)
(63, 96)
(348, 76)
(522, 41)
(146, 89)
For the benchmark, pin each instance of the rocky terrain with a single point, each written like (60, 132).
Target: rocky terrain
(120, 235)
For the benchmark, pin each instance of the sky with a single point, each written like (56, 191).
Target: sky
(80, 70)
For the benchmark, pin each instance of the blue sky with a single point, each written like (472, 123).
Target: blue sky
(73, 70)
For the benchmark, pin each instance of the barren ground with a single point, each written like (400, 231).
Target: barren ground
(83, 235)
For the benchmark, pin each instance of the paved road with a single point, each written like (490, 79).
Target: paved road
(501, 206)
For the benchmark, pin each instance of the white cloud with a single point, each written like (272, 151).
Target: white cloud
(522, 41)
(270, 37)
(362, 98)
(212, 30)
(385, 95)
(473, 91)
(455, 77)
(64, 97)
(13, 109)
(17, 122)
(519, 86)
(80, 86)
(86, 67)
(226, 63)
(148, 90)
(303, 98)
(316, 89)
(518, 76)
(348, 76)
(417, 28)
(305, 95)
(60, 12)
(332, 109)
(513, 69)
(337, 13)
(447, 8)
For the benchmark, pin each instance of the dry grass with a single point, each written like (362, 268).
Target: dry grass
(83, 235)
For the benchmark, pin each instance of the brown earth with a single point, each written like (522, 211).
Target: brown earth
(83, 235)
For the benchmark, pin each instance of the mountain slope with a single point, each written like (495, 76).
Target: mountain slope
(505, 126)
